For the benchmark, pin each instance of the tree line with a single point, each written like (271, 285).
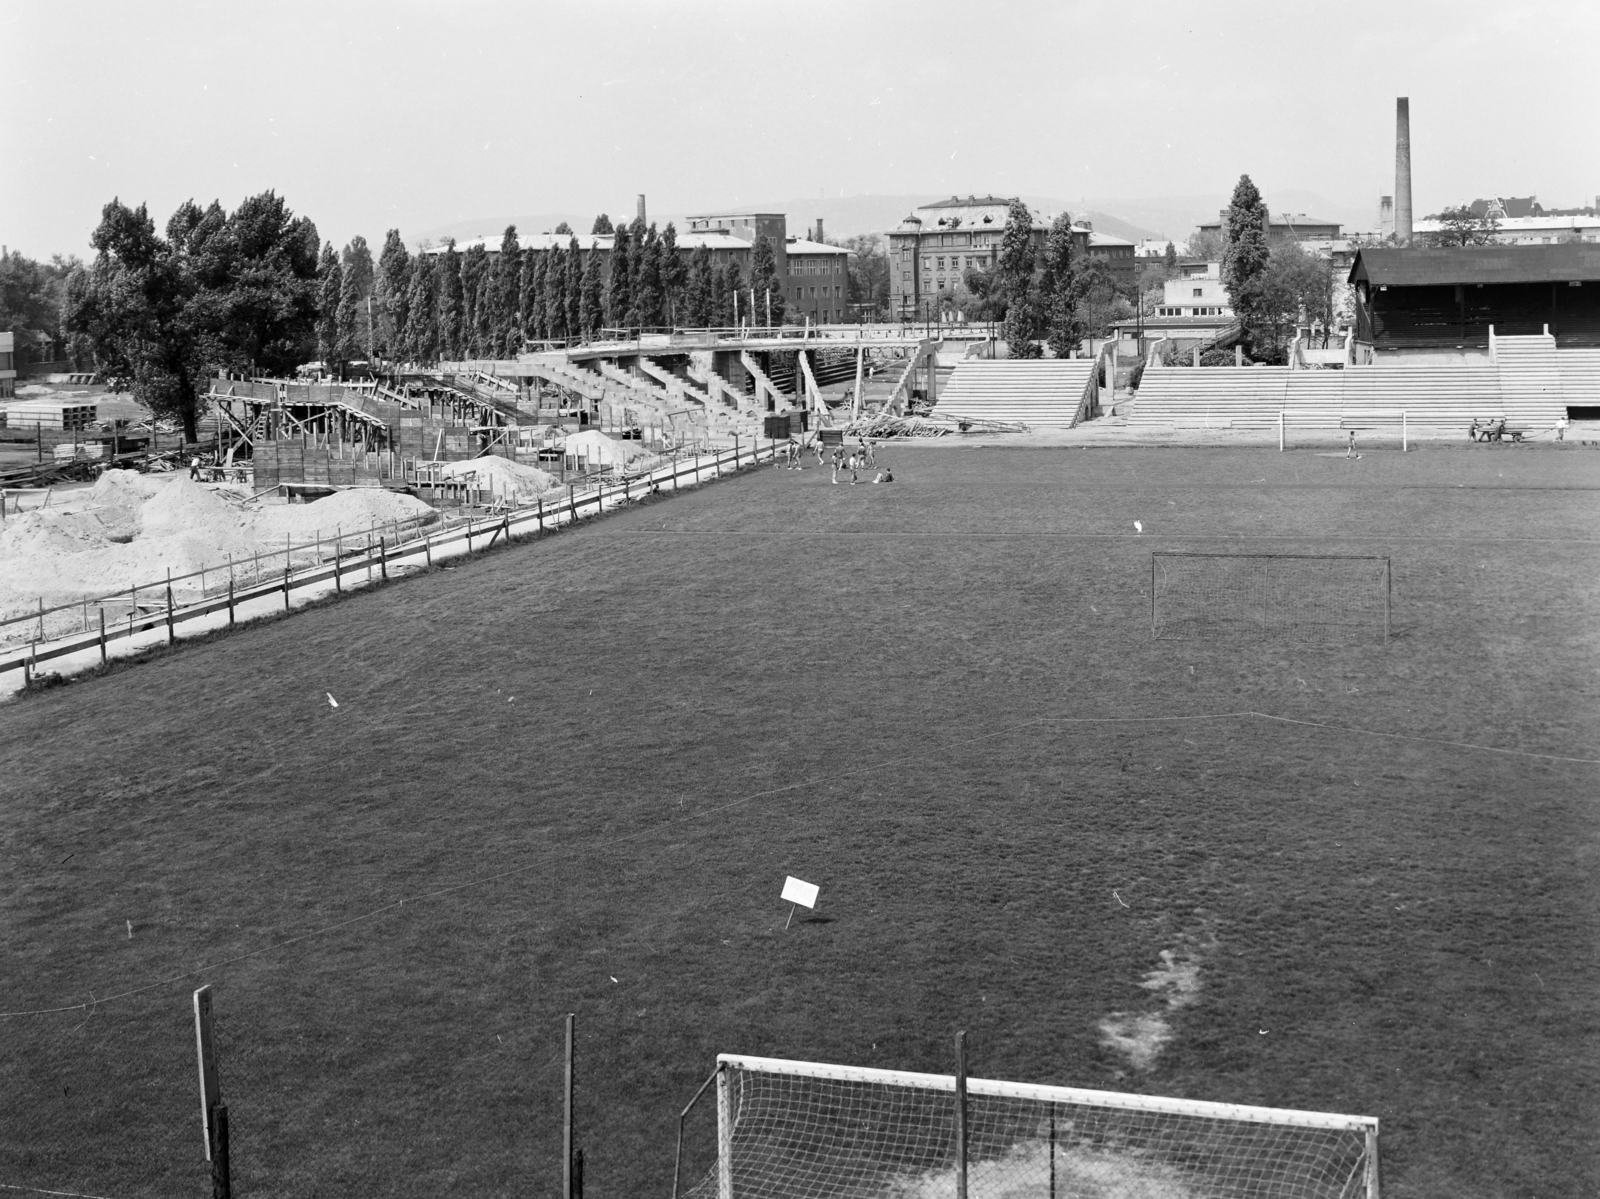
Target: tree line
(257, 290)
(452, 305)
(1271, 287)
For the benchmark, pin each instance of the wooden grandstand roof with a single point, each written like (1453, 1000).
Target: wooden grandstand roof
(1406, 267)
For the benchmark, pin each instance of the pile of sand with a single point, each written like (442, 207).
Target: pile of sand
(502, 477)
(130, 529)
(347, 511)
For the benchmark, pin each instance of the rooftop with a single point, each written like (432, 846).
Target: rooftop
(799, 245)
(1409, 267)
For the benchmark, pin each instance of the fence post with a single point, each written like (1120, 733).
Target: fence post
(221, 1182)
(383, 557)
(961, 1115)
(102, 635)
(171, 635)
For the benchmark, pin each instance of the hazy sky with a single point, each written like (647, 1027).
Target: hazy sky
(415, 113)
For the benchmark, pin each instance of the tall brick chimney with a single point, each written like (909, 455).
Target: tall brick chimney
(819, 228)
(1402, 170)
(641, 208)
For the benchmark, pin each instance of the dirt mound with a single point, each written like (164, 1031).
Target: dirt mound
(502, 477)
(350, 511)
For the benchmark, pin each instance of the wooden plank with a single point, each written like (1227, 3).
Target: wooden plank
(206, 1048)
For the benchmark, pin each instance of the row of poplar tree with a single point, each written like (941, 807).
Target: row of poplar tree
(452, 305)
(1041, 288)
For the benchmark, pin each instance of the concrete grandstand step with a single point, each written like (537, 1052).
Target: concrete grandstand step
(1051, 391)
(1529, 384)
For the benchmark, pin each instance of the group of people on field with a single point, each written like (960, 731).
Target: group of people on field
(857, 461)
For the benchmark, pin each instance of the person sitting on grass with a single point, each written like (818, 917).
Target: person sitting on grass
(886, 475)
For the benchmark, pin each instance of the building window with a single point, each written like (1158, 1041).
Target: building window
(906, 275)
(940, 264)
(1199, 291)
(927, 262)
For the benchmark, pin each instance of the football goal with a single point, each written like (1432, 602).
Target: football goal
(799, 1130)
(1316, 597)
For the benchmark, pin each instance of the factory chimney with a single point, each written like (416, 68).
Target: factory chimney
(1402, 170)
(819, 229)
(641, 207)
(1386, 216)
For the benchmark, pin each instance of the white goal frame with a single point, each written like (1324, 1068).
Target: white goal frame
(1367, 1187)
(1345, 422)
(1157, 555)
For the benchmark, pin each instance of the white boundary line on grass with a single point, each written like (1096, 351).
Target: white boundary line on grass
(6, 1186)
(741, 801)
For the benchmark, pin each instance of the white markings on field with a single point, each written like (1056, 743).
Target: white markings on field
(1174, 984)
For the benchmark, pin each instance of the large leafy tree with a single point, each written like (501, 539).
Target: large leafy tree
(1245, 253)
(769, 297)
(355, 314)
(1016, 267)
(452, 311)
(619, 283)
(730, 285)
(474, 266)
(485, 315)
(392, 295)
(507, 295)
(602, 224)
(32, 293)
(1294, 288)
(1059, 289)
(1101, 297)
(1461, 226)
(647, 280)
(563, 229)
(141, 315)
(330, 282)
(573, 296)
(555, 294)
(421, 340)
(590, 314)
(235, 292)
(674, 274)
(700, 291)
(533, 321)
(867, 277)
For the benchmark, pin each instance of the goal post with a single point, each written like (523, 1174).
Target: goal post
(1316, 597)
(804, 1130)
(1372, 418)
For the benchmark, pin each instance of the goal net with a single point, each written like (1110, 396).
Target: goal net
(798, 1130)
(1329, 597)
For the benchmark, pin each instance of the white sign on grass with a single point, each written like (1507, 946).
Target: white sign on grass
(797, 891)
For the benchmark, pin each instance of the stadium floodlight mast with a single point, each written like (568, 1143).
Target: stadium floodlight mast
(805, 1130)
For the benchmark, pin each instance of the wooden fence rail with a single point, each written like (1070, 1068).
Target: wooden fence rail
(358, 568)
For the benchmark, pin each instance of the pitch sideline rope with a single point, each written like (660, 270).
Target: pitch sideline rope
(765, 794)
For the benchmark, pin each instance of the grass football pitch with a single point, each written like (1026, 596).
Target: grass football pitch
(572, 776)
